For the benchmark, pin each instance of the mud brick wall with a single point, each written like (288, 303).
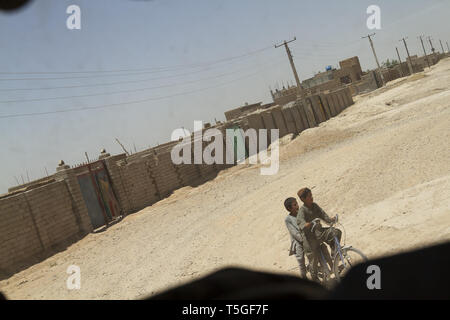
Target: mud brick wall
(268, 124)
(79, 207)
(207, 170)
(319, 114)
(289, 120)
(323, 100)
(331, 105)
(34, 223)
(139, 185)
(52, 209)
(164, 173)
(117, 182)
(37, 181)
(344, 98)
(368, 83)
(279, 121)
(347, 101)
(19, 237)
(301, 109)
(189, 174)
(348, 96)
(255, 122)
(308, 108)
(341, 100)
(299, 124)
(337, 102)
(224, 164)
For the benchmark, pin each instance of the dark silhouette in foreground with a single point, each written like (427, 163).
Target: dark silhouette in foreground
(419, 274)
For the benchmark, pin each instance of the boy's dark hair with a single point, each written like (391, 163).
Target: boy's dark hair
(288, 203)
(303, 193)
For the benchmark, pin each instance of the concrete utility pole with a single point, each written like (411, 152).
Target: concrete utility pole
(442, 47)
(424, 52)
(297, 80)
(375, 55)
(399, 61)
(448, 49)
(431, 44)
(409, 58)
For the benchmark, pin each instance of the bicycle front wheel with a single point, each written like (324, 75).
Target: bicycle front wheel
(350, 258)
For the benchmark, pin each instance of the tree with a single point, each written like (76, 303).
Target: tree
(390, 63)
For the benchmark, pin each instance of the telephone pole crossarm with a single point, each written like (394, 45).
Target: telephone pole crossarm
(291, 61)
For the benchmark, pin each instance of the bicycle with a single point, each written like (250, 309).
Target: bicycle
(345, 257)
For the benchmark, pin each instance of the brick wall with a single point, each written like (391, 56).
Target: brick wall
(289, 120)
(117, 181)
(291, 107)
(317, 108)
(139, 185)
(35, 223)
(163, 171)
(41, 220)
(279, 121)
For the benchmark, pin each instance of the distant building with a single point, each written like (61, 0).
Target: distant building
(350, 71)
(245, 109)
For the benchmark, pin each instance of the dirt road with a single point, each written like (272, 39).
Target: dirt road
(383, 165)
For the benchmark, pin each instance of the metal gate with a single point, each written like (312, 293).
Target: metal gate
(239, 150)
(98, 194)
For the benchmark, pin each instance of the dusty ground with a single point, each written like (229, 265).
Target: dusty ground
(382, 165)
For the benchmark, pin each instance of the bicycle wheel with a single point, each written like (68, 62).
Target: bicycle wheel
(351, 258)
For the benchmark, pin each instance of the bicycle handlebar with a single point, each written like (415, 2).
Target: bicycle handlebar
(316, 221)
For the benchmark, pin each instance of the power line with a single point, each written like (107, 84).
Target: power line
(334, 44)
(205, 67)
(126, 103)
(133, 72)
(109, 83)
(153, 70)
(172, 68)
(121, 91)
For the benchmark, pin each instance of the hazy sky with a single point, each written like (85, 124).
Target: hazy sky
(158, 65)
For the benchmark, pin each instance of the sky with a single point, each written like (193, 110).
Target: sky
(137, 69)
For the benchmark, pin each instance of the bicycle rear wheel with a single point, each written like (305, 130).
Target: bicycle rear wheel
(350, 258)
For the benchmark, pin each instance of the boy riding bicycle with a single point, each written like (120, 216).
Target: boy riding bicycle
(299, 246)
(315, 234)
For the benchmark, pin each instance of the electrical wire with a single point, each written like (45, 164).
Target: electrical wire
(106, 84)
(125, 103)
(132, 71)
(120, 91)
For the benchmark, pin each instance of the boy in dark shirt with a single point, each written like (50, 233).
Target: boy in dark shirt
(306, 214)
